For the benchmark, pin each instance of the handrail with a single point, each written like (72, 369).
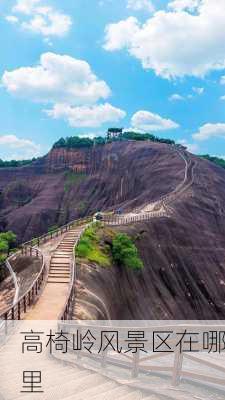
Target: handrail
(26, 300)
(163, 201)
(41, 239)
(19, 307)
(15, 311)
(13, 275)
(174, 191)
(123, 220)
(71, 295)
(109, 220)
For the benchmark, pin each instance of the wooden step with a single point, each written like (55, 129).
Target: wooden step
(61, 256)
(58, 270)
(66, 250)
(59, 263)
(67, 266)
(54, 280)
(59, 275)
(66, 245)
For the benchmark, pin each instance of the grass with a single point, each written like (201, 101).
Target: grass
(91, 247)
(104, 246)
(72, 179)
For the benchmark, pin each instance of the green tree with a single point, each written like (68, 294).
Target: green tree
(125, 252)
(4, 246)
(8, 237)
(7, 240)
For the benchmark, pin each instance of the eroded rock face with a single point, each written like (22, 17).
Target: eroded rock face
(65, 185)
(184, 256)
(184, 261)
(61, 159)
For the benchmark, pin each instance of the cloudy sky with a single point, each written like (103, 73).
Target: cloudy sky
(78, 67)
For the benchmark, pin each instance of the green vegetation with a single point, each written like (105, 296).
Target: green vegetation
(144, 136)
(125, 252)
(73, 142)
(72, 178)
(102, 245)
(91, 248)
(15, 163)
(7, 240)
(215, 160)
(76, 142)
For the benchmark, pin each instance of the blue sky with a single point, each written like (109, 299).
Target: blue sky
(78, 67)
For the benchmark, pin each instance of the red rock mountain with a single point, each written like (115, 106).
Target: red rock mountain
(184, 256)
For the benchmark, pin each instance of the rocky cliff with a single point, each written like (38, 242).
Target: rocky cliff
(184, 255)
(65, 185)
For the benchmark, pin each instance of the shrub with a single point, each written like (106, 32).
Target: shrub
(90, 248)
(4, 247)
(7, 239)
(215, 160)
(125, 252)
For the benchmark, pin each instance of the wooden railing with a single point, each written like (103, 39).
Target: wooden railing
(55, 233)
(67, 312)
(126, 220)
(140, 362)
(16, 311)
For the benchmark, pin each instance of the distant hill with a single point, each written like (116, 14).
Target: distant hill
(215, 160)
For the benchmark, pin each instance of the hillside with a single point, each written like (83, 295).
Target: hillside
(66, 184)
(183, 255)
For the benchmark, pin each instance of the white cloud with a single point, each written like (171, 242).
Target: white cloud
(147, 121)
(12, 19)
(209, 131)
(24, 148)
(138, 5)
(181, 5)
(176, 97)
(174, 43)
(57, 79)
(86, 116)
(25, 6)
(121, 34)
(36, 17)
(198, 90)
(192, 147)
(222, 81)
(222, 98)
(48, 23)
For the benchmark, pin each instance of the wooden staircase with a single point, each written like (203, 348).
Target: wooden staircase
(60, 264)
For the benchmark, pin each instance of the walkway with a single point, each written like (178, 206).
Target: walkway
(53, 298)
(162, 207)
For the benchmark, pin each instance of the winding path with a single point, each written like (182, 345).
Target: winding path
(163, 206)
